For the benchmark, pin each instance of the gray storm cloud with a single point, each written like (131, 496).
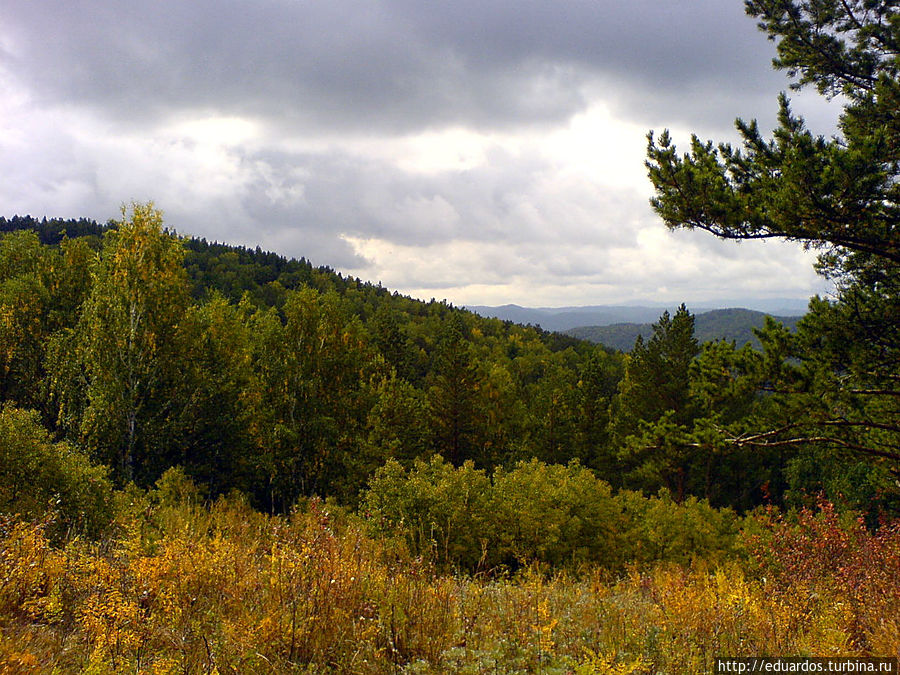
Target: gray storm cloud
(392, 66)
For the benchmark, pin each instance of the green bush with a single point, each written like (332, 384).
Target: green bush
(38, 477)
(561, 515)
(555, 514)
(442, 511)
(660, 529)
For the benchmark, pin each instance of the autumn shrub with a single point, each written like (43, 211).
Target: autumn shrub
(199, 588)
(191, 587)
(556, 514)
(658, 529)
(559, 515)
(32, 588)
(442, 512)
(820, 557)
(29, 568)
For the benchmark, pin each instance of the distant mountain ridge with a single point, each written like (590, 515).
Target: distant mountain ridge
(563, 319)
(735, 324)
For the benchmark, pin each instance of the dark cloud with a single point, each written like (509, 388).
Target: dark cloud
(393, 66)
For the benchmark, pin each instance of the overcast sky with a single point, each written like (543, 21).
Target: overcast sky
(482, 151)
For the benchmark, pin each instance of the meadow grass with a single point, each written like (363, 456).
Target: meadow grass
(187, 588)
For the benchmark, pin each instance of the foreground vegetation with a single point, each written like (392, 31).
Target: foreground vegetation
(183, 587)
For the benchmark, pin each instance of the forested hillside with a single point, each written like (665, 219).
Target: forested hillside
(737, 325)
(173, 411)
(145, 350)
(265, 374)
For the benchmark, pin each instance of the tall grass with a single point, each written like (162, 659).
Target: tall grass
(183, 588)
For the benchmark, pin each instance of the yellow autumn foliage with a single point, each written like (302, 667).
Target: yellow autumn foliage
(224, 589)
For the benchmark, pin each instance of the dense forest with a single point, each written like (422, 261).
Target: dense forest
(144, 351)
(215, 459)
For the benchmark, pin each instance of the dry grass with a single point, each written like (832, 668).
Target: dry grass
(185, 589)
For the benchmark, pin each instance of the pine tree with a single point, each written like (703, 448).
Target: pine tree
(657, 375)
(839, 195)
(452, 396)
